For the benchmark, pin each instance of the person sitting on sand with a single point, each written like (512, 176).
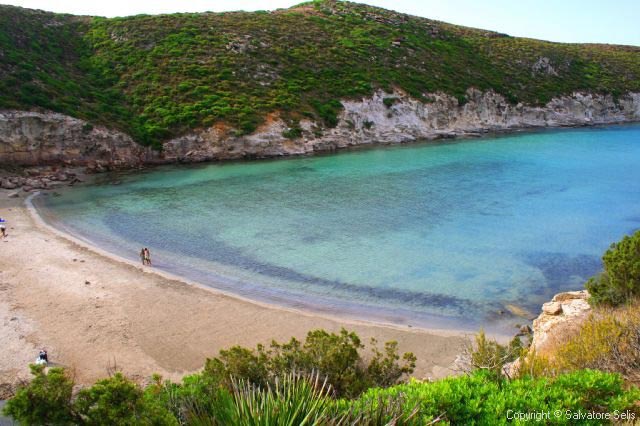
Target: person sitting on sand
(147, 256)
(43, 357)
(143, 256)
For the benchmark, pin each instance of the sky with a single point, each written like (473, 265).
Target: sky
(579, 21)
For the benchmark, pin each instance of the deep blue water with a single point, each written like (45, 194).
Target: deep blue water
(428, 234)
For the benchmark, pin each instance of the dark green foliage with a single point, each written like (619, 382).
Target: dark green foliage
(328, 112)
(334, 356)
(388, 102)
(158, 76)
(199, 399)
(117, 400)
(620, 280)
(47, 399)
(292, 133)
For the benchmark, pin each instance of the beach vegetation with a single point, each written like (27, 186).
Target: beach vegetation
(336, 356)
(476, 398)
(46, 400)
(49, 400)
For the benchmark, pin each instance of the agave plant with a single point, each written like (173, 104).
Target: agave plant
(293, 400)
(296, 399)
(381, 411)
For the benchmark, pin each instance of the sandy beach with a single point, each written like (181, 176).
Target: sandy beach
(94, 312)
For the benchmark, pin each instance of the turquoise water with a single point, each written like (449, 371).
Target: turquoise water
(443, 235)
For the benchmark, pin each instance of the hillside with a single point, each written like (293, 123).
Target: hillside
(156, 77)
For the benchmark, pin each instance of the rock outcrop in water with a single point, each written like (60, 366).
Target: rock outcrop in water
(32, 138)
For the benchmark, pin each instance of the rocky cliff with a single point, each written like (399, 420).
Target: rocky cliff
(403, 119)
(38, 139)
(563, 316)
(31, 138)
(559, 318)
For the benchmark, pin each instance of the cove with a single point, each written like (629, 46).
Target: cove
(439, 235)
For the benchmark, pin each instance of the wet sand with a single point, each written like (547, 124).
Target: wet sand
(94, 312)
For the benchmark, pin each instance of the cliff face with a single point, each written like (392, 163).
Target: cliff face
(30, 138)
(371, 121)
(37, 139)
(559, 318)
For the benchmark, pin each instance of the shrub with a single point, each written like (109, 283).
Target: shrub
(489, 355)
(620, 280)
(46, 400)
(300, 399)
(609, 341)
(197, 398)
(328, 112)
(292, 133)
(117, 400)
(388, 102)
(335, 356)
(481, 400)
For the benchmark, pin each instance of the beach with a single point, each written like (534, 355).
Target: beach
(96, 313)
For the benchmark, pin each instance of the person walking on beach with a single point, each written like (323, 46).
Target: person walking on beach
(3, 228)
(147, 256)
(143, 256)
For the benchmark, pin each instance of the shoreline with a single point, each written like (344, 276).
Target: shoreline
(345, 318)
(94, 311)
(347, 312)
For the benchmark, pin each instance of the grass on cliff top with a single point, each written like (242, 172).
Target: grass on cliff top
(158, 76)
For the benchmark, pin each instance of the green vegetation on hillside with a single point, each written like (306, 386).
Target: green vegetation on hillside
(158, 76)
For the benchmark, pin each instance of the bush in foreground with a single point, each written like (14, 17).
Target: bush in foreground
(48, 400)
(479, 398)
(335, 356)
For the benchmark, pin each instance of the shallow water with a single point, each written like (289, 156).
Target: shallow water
(439, 235)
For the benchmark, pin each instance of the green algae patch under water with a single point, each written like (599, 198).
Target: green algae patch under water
(434, 235)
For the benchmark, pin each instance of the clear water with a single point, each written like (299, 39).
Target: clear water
(440, 235)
